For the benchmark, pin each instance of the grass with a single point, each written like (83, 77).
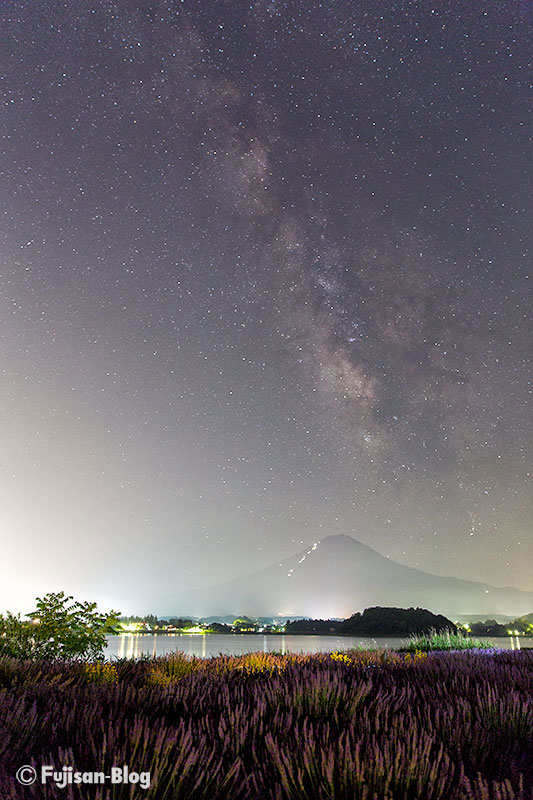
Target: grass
(446, 640)
(364, 725)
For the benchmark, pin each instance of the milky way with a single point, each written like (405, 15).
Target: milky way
(263, 279)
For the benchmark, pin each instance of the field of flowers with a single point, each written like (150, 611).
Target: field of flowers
(359, 725)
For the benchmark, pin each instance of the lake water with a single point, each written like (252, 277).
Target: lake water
(213, 644)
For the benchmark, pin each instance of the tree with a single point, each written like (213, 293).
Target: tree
(219, 627)
(312, 626)
(59, 628)
(384, 621)
(179, 622)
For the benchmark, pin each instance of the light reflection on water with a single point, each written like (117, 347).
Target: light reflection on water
(214, 644)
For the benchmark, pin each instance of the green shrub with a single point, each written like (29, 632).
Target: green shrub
(58, 628)
(445, 640)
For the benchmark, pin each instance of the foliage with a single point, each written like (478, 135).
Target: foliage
(384, 621)
(488, 628)
(179, 622)
(176, 666)
(445, 640)
(101, 672)
(359, 725)
(323, 626)
(219, 627)
(244, 625)
(520, 627)
(59, 628)
(17, 637)
(376, 621)
(375, 658)
(173, 667)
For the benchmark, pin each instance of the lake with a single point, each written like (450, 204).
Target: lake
(213, 644)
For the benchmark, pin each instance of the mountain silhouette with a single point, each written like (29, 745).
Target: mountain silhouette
(338, 576)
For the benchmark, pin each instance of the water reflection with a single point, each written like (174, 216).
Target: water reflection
(134, 645)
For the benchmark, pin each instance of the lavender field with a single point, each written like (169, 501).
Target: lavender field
(358, 725)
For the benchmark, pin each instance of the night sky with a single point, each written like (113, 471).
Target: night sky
(263, 278)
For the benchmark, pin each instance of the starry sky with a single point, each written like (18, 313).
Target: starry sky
(263, 278)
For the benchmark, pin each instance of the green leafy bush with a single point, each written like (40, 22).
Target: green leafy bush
(58, 628)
